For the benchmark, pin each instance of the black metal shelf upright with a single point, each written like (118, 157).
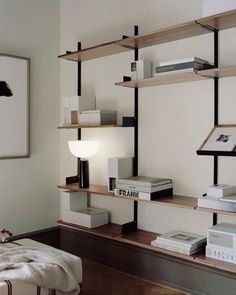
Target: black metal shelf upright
(131, 226)
(216, 102)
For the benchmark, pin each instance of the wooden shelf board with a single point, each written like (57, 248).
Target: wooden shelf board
(219, 72)
(217, 264)
(220, 21)
(164, 35)
(108, 230)
(92, 189)
(175, 200)
(76, 126)
(178, 201)
(215, 211)
(101, 50)
(189, 29)
(163, 80)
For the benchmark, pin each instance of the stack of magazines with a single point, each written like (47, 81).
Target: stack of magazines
(192, 64)
(144, 187)
(180, 241)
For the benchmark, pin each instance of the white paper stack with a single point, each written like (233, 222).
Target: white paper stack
(180, 241)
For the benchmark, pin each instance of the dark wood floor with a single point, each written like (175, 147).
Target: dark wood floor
(102, 280)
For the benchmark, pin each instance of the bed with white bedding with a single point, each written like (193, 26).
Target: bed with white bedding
(19, 286)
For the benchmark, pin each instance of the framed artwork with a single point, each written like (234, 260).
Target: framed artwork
(14, 107)
(221, 138)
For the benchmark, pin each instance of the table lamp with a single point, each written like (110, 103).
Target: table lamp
(83, 149)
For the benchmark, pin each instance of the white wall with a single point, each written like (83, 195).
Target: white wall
(28, 193)
(173, 119)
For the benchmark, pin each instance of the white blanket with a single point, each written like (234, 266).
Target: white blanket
(46, 267)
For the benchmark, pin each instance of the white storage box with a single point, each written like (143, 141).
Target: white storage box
(211, 7)
(89, 217)
(74, 209)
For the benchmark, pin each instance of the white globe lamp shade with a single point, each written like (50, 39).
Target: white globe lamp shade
(83, 148)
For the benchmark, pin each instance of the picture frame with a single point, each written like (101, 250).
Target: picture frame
(222, 138)
(14, 106)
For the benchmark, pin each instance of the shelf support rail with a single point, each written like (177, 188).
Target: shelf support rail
(131, 226)
(73, 179)
(216, 100)
(216, 108)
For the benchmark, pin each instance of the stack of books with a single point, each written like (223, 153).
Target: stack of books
(192, 64)
(98, 117)
(180, 241)
(219, 197)
(144, 187)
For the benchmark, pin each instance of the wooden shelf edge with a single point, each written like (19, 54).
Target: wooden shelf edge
(97, 51)
(223, 212)
(75, 126)
(163, 80)
(215, 263)
(113, 232)
(174, 201)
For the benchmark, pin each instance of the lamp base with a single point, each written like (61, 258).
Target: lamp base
(83, 173)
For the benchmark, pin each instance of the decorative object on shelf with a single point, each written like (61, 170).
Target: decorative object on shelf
(14, 107)
(220, 190)
(222, 138)
(118, 167)
(180, 241)
(83, 149)
(221, 242)
(98, 117)
(4, 235)
(74, 105)
(141, 69)
(192, 64)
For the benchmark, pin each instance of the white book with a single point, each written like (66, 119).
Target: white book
(218, 204)
(181, 238)
(146, 189)
(220, 190)
(179, 61)
(142, 195)
(171, 248)
(144, 181)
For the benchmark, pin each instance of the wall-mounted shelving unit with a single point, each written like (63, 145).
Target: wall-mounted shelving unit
(212, 24)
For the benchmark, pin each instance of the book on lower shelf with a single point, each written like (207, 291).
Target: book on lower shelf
(180, 241)
(192, 64)
(226, 203)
